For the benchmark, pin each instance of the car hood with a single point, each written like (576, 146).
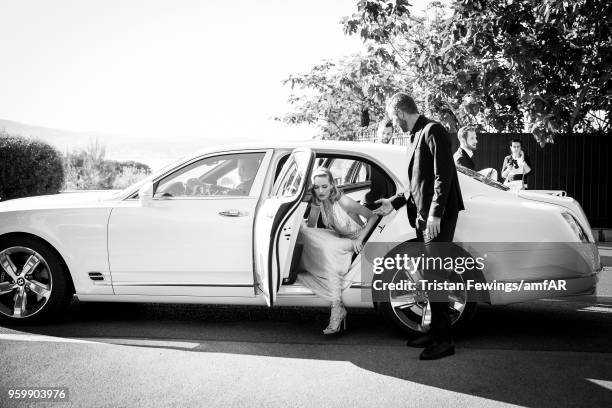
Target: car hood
(61, 200)
(567, 202)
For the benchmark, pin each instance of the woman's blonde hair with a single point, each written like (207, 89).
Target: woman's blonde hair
(335, 193)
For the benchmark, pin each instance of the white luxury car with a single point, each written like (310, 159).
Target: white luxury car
(204, 231)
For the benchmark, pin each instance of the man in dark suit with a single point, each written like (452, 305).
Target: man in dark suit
(468, 139)
(433, 201)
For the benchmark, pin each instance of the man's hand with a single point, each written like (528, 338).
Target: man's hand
(432, 228)
(385, 207)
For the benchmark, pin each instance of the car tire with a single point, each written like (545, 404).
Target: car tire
(404, 310)
(459, 325)
(43, 292)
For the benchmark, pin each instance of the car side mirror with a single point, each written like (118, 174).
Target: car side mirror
(145, 194)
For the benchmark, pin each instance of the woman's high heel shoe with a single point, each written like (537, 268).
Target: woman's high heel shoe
(337, 321)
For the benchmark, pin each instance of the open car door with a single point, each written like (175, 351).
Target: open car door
(287, 192)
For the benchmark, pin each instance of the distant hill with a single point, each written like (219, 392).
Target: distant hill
(62, 139)
(154, 152)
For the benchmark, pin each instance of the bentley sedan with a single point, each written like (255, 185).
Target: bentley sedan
(220, 227)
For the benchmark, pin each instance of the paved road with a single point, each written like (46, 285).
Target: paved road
(538, 354)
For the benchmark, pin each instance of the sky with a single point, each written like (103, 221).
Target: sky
(164, 68)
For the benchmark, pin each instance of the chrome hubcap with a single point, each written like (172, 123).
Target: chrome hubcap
(412, 308)
(25, 282)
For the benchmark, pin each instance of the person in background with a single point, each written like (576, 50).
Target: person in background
(468, 140)
(516, 166)
(384, 132)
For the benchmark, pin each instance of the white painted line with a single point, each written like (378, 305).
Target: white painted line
(39, 337)
(596, 309)
(603, 383)
(96, 340)
(145, 342)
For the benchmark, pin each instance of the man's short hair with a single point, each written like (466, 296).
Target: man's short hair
(517, 141)
(462, 134)
(384, 124)
(404, 102)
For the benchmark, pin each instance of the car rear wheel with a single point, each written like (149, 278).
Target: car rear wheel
(34, 285)
(410, 312)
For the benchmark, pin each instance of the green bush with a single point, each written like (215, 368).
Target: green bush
(28, 167)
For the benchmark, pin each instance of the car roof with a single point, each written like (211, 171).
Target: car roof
(348, 146)
(390, 157)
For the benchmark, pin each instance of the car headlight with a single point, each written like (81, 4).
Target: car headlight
(575, 226)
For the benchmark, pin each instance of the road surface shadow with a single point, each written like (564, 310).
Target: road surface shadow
(551, 348)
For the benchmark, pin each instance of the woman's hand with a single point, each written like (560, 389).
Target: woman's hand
(357, 245)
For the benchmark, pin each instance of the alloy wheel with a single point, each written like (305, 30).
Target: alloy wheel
(25, 282)
(412, 308)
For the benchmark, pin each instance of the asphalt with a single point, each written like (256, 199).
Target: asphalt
(552, 353)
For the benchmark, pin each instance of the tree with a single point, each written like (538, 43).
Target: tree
(342, 95)
(543, 65)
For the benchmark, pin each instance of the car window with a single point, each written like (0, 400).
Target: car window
(290, 183)
(348, 171)
(224, 175)
(291, 177)
(362, 174)
(360, 179)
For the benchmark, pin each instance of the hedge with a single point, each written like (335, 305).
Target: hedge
(28, 167)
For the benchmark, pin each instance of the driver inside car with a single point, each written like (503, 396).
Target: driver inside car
(247, 170)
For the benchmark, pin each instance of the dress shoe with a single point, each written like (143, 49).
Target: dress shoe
(437, 350)
(421, 342)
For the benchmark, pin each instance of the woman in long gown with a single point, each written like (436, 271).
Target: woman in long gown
(327, 254)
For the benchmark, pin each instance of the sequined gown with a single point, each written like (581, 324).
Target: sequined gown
(327, 253)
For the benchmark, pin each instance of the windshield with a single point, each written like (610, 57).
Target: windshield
(483, 179)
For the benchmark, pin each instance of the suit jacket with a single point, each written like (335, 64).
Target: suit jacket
(381, 186)
(462, 158)
(433, 183)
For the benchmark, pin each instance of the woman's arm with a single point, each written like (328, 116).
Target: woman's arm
(526, 166)
(505, 169)
(354, 207)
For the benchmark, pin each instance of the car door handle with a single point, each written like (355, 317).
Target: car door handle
(233, 213)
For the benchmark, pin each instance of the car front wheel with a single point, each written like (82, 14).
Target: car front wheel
(34, 285)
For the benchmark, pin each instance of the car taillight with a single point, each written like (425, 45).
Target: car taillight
(576, 227)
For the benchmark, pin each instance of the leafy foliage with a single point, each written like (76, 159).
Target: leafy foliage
(340, 96)
(508, 65)
(505, 65)
(28, 167)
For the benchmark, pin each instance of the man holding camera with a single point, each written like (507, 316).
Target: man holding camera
(516, 166)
